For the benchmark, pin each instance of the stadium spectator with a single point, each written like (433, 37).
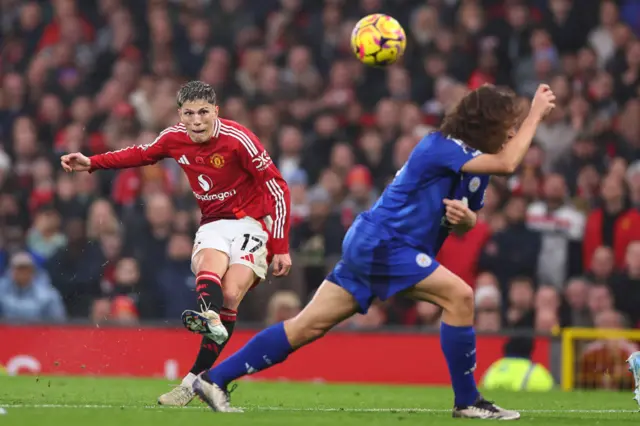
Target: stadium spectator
(282, 306)
(561, 227)
(176, 282)
(602, 265)
(581, 167)
(614, 225)
(361, 195)
(576, 296)
(488, 298)
(149, 243)
(124, 294)
(70, 273)
(625, 285)
(427, 315)
(488, 302)
(520, 301)
(599, 299)
(514, 250)
(489, 321)
(546, 321)
(26, 294)
(45, 238)
(487, 279)
(318, 239)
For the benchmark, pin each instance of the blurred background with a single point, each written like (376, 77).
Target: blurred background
(557, 244)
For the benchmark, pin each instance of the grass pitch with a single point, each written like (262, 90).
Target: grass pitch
(59, 401)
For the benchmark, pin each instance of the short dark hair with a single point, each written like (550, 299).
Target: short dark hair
(483, 118)
(195, 90)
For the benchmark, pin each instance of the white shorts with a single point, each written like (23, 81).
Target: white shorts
(243, 240)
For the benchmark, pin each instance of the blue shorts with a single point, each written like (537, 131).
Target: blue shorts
(375, 264)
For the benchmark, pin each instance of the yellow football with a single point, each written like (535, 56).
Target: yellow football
(378, 40)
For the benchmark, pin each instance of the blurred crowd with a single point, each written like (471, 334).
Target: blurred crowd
(557, 244)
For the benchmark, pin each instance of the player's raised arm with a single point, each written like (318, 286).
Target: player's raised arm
(257, 162)
(133, 156)
(508, 159)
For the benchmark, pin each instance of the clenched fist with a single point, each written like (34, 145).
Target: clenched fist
(458, 213)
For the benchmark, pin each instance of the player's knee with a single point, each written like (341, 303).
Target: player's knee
(210, 260)
(232, 295)
(301, 331)
(235, 284)
(461, 299)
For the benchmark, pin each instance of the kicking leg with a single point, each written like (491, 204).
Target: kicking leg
(207, 356)
(330, 306)
(210, 350)
(458, 342)
(210, 265)
(235, 284)
(244, 264)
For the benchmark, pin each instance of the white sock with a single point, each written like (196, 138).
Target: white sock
(188, 380)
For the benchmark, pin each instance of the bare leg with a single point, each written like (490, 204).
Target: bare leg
(331, 305)
(450, 292)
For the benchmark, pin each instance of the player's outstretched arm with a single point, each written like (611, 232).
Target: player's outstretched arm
(507, 160)
(133, 156)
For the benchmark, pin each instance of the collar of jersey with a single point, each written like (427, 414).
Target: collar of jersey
(216, 128)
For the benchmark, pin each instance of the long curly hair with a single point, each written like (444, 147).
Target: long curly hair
(483, 118)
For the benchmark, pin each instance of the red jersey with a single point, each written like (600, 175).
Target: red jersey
(232, 176)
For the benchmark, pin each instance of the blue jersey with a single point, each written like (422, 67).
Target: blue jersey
(412, 208)
(393, 246)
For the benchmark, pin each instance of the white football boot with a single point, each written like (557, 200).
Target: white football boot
(483, 409)
(634, 367)
(181, 395)
(212, 395)
(207, 323)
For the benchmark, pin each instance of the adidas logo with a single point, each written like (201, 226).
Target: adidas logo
(183, 160)
(250, 369)
(248, 258)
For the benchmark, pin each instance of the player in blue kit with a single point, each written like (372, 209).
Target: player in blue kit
(391, 248)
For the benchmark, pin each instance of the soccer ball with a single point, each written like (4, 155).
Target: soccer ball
(378, 40)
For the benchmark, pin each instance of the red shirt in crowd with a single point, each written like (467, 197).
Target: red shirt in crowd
(625, 230)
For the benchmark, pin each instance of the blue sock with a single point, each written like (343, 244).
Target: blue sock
(267, 348)
(459, 348)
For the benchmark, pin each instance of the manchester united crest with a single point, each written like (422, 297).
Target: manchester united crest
(217, 161)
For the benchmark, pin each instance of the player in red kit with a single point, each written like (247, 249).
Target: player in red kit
(245, 214)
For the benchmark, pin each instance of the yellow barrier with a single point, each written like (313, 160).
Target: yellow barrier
(569, 338)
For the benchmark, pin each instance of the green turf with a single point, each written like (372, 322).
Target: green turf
(96, 402)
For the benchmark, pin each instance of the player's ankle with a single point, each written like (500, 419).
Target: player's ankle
(188, 380)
